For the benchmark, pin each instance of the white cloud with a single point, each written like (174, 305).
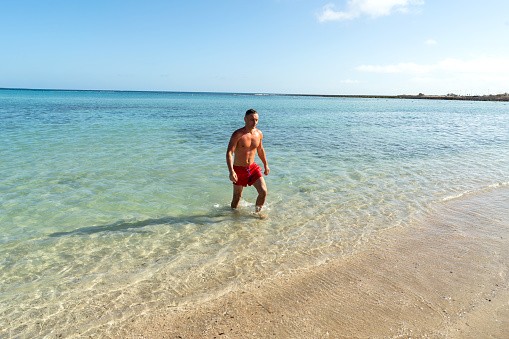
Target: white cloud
(431, 42)
(371, 8)
(422, 80)
(482, 75)
(482, 66)
(350, 81)
(407, 68)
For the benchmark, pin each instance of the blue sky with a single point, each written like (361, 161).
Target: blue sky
(268, 46)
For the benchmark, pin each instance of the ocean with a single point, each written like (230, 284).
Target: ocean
(115, 204)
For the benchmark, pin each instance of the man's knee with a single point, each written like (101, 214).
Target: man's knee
(262, 191)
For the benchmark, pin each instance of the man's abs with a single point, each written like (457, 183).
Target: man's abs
(244, 159)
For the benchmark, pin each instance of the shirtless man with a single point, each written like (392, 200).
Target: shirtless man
(245, 143)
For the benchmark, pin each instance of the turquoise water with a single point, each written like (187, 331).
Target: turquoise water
(114, 203)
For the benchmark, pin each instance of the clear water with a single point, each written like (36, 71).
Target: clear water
(114, 203)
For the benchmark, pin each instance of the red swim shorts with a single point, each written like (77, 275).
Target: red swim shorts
(247, 175)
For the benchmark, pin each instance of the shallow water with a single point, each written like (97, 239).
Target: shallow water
(116, 202)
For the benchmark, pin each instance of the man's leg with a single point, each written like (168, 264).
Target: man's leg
(262, 193)
(237, 194)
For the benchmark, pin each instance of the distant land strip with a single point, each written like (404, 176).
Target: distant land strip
(497, 97)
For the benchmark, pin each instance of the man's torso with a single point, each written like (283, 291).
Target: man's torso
(246, 147)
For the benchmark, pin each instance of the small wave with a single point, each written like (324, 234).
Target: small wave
(469, 192)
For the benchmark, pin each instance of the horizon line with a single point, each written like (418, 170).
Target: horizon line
(396, 96)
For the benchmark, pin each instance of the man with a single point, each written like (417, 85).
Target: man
(244, 144)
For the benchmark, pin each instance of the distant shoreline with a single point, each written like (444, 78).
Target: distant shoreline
(496, 97)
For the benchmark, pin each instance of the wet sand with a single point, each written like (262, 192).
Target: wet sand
(445, 276)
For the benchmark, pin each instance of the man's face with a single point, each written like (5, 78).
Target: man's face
(251, 120)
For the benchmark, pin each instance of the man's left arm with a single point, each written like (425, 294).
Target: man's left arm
(263, 158)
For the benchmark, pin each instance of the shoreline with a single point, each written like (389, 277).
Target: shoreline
(443, 277)
(502, 98)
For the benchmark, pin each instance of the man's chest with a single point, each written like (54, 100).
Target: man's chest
(249, 141)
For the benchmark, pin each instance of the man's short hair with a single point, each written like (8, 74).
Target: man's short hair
(251, 111)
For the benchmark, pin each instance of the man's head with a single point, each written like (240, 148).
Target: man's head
(251, 119)
(250, 111)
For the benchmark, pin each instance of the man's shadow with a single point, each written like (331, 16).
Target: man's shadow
(124, 226)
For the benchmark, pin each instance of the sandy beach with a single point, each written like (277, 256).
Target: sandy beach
(445, 276)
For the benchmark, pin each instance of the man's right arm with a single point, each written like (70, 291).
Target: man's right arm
(229, 156)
